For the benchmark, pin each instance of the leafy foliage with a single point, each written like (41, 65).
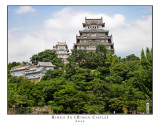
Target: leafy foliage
(93, 83)
(47, 56)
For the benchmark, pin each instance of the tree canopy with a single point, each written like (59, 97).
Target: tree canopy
(47, 56)
(91, 83)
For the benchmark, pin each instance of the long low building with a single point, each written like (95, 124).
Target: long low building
(32, 71)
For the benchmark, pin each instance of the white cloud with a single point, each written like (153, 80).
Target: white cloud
(128, 38)
(24, 9)
(23, 45)
(132, 38)
(65, 24)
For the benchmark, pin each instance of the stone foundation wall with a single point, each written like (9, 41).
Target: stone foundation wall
(32, 110)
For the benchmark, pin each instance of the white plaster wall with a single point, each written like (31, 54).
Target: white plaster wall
(49, 68)
(33, 76)
(64, 56)
(18, 73)
(61, 52)
(61, 47)
(108, 47)
(39, 68)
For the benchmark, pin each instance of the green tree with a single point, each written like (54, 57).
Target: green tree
(94, 105)
(101, 49)
(70, 69)
(90, 61)
(50, 74)
(47, 56)
(93, 83)
(68, 100)
(49, 87)
(146, 73)
(116, 104)
(101, 52)
(13, 64)
(19, 92)
(77, 56)
(133, 96)
(119, 70)
(131, 58)
(141, 106)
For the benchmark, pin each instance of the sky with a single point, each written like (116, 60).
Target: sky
(32, 29)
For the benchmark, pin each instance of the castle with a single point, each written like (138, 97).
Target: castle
(92, 35)
(62, 51)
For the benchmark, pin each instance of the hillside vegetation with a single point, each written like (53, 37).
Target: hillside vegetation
(91, 83)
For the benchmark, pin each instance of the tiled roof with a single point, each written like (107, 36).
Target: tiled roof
(32, 69)
(18, 68)
(61, 43)
(93, 43)
(62, 53)
(93, 30)
(93, 37)
(33, 72)
(93, 21)
(45, 64)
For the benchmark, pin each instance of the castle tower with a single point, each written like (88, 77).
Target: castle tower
(93, 35)
(62, 51)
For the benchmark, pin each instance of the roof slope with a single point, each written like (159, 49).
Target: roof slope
(45, 64)
(94, 30)
(20, 67)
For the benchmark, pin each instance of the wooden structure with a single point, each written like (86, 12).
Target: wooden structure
(93, 35)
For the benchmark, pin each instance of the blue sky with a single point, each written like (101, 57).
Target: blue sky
(35, 28)
(45, 12)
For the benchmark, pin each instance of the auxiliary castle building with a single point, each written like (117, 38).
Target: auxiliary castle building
(32, 71)
(93, 35)
(62, 51)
